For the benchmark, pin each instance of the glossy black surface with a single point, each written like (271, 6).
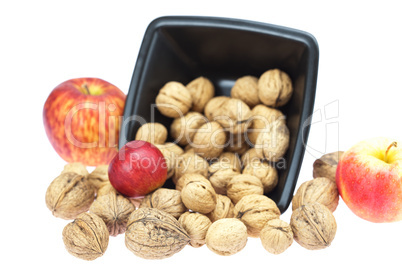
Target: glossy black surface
(184, 48)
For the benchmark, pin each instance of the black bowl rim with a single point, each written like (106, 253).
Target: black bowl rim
(246, 25)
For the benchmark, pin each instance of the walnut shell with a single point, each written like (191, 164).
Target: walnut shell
(223, 209)
(246, 89)
(114, 209)
(154, 234)
(173, 100)
(229, 159)
(168, 200)
(188, 148)
(209, 140)
(69, 195)
(155, 133)
(196, 225)
(76, 167)
(171, 152)
(190, 162)
(326, 165)
(86, 237)
(181, 181)
(255, 211)
(201, 90)
(184, 128)
(265, 172)
(262, 117)
(198, 194)
(313, 226)
(106, 189)
(320, 190)
(231, 114)
(276, 236)
(220, 176)
(274, 88)
(226, 236)
(273, 143)
(249, 156)
(237, 143)
(99, 176)
(242, 185)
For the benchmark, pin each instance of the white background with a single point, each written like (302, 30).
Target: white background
(43, 43)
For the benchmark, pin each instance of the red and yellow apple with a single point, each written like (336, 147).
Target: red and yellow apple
(82, 119)
(138, 169)
(369, 179)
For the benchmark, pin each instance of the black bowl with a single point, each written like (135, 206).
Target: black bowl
(221, 49)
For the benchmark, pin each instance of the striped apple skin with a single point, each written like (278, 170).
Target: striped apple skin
(84, 127)
(370, 186)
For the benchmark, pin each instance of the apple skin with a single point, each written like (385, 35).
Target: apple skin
(370, 186)
(84, 127)
(138, 169)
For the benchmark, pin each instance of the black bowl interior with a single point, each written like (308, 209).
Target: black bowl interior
(184, 48)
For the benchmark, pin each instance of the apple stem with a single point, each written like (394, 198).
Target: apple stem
(394, 144)
(85, 86)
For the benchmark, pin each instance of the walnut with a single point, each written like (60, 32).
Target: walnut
(276, 236)
(182, 180)
(313, 226)
(173, 100)
(184, 128)
(114, 209)
(273, 143)
(171, 152)
(220, 176)
(155, 133)
(249, 156)
(274, 88)
(321, 190)
(209, 140)
(231, 114)
(229, 159)
(69, 195)
(201, 90)
(242, 185)
(255, 211)
(265, 172)
(238, 143)
(106, 189)
(179, 184)
(196, 225)
(246, 89)
(223, 209)
(190, 162)
(262, 117)
(76, 168)
(168, 200)
(188, 148)
(198, 195)
(326, 165)
(154, 234)
(86, 237)
(226, 236)
(99, 176)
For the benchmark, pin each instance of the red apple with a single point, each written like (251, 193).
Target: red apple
(138, 169)
(82, 120)
(369, 179)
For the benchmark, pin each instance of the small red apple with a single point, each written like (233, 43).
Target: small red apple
(138, 169)
(369, 180)
(82, 120)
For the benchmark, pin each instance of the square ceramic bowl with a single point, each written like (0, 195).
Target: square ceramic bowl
(221, 49)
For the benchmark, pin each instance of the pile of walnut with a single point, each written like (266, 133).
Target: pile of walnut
(221, 174)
